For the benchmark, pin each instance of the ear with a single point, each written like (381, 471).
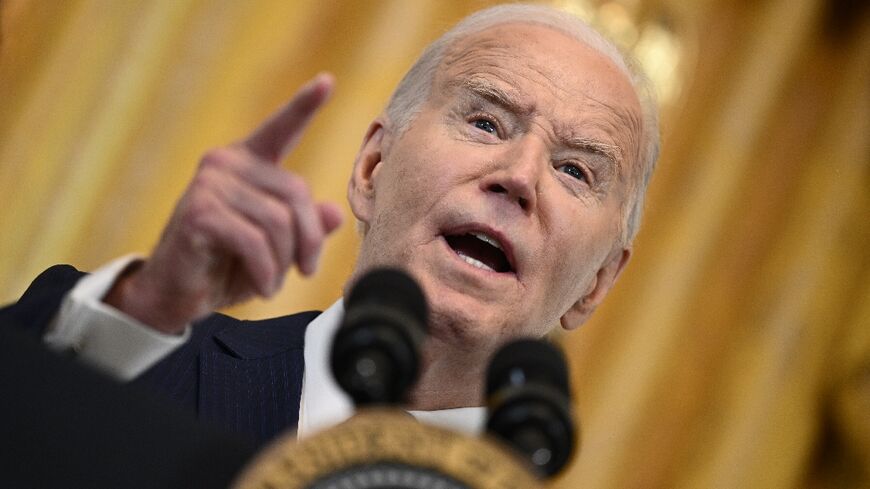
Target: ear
(597, 290)
(361, 189)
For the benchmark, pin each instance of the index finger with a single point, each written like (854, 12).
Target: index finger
(281, 132)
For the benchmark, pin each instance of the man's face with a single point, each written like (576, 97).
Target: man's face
(527, 143)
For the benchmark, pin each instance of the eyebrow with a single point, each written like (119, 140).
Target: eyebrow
(494, 94)
(611, 152)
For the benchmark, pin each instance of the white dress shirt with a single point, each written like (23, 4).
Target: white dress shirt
(325, 404)
(124, 348)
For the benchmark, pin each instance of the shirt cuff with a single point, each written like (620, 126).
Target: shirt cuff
(103, 336)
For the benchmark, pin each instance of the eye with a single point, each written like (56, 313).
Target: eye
(574, 171)
(485, 125)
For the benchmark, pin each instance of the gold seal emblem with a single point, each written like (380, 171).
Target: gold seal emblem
(382, 449)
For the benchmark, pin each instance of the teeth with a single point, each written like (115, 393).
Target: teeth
(487, 239)
(475, 263)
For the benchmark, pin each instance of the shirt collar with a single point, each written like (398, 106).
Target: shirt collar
(325, 404)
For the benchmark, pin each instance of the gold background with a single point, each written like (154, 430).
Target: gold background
(734, 352)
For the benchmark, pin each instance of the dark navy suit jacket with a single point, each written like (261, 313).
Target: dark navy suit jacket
(244, 376)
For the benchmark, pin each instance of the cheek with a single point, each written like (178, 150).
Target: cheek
(572, 273)
(573, 269)
(417, 175)
(405, 191)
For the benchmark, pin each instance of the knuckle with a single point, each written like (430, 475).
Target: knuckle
(256, 241)
(199, 213)
(217, 158)
(252, 247)
(278, 217)
(203, 179)
(297, 188)
(312, 239)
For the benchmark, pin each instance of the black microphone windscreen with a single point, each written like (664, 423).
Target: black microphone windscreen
(375, 353)
(392, 288)
(527, 360)
(530, 404)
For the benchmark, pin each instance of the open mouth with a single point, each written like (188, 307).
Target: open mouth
(480, 250)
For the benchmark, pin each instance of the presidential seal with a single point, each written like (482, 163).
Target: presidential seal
(382, 449)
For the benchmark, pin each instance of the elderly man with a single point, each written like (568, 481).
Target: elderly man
(506, 175)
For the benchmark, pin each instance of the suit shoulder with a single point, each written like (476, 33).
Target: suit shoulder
(40, 301)
(57, 278)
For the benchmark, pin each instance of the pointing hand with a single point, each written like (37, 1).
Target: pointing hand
(239, 226)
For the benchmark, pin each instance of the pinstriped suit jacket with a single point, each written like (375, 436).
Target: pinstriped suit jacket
(244, 376)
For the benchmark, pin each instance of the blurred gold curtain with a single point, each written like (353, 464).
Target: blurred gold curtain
(735, 351)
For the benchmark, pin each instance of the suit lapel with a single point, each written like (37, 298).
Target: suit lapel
(252, 382)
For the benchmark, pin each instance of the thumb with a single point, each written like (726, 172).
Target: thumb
(331, 216)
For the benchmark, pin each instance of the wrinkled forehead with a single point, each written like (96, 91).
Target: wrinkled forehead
(552, 72)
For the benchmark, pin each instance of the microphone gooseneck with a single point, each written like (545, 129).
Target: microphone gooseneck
(529, 403)
(375, 354)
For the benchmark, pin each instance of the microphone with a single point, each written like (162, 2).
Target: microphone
(529, 403)
(375, 354)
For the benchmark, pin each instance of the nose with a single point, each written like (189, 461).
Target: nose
(517, 172)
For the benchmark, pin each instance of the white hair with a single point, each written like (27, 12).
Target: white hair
(414, 89)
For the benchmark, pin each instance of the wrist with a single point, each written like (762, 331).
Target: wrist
(131, 296)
